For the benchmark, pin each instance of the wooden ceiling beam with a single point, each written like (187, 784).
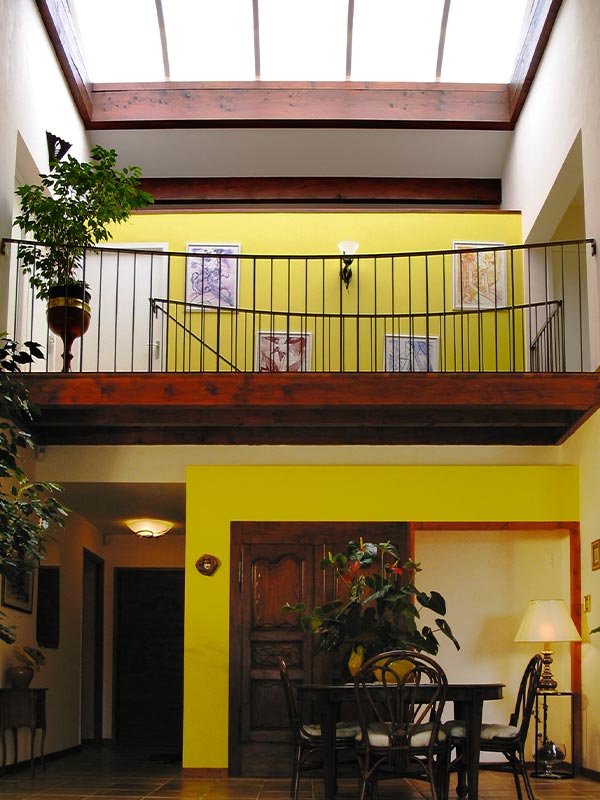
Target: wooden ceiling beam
(300, 105)
(464, 192)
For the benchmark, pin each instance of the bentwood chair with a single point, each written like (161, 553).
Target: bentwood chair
(400, 697)
(506, 739)
(306, 738)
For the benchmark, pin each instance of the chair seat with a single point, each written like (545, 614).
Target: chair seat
(421, 738)
(343, 730)
(489, 730)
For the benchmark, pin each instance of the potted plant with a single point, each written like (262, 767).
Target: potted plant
(29, 660)
(378, 607)
(68, 211)
(27, 507)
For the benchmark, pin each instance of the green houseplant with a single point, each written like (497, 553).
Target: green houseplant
(71, 209)
(27, 508)
(378, 606)
(68, 211)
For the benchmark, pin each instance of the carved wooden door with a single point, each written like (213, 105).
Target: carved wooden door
(275, 563)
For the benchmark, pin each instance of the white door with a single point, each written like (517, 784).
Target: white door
(124, 335)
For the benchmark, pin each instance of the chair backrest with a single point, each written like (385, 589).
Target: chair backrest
(528, 687)
(400, 694)
(290, 700)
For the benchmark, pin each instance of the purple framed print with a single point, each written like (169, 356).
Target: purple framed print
(283, 351)
(212, 275)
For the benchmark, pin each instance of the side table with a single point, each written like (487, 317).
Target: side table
(23, 708)
(556, 769)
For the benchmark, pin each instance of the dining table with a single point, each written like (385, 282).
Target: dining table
(467, 698)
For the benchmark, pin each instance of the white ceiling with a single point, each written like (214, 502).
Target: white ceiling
(108, 505)
(268, 152)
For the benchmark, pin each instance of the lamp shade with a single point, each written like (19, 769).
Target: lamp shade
(149, 528)
(547, 621)
(348, 247)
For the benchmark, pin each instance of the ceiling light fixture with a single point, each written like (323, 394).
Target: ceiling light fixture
(149, 528)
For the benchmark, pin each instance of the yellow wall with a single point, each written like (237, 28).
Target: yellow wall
(311, 288)
(216, 495)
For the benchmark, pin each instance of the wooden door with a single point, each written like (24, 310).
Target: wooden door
(271, 564)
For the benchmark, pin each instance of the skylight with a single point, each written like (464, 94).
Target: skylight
(471, 41)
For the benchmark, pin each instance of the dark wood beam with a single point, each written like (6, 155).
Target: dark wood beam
(268, 104)
(311, 408)
(463, 192)
(64, 38)
(531, 49)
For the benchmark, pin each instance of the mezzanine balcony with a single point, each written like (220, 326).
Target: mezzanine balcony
(464, 346)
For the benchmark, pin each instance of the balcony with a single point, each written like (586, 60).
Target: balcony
(468, 346)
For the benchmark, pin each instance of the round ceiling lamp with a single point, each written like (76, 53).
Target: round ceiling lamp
(149, 528)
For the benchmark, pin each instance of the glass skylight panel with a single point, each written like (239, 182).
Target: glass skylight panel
(210, 40)
(303, 40)
(396, 40)
(481, 40)
(120, 39)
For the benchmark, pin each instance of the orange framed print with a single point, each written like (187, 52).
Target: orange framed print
(596, 554)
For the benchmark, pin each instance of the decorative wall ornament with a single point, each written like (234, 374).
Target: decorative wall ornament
(479, 275)
(207, 564)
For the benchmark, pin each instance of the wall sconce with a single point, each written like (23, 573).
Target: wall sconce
(149, 528)
(57, 148)
(547, 621)
(347, 248)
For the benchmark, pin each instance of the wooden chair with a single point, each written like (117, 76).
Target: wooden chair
(507, 739)
(306, 738)
(400, 697)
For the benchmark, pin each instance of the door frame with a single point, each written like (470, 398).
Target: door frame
(97, 655)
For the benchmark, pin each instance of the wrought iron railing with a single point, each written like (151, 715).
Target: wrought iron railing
(475, 309)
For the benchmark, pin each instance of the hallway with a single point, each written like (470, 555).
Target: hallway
(107, 773)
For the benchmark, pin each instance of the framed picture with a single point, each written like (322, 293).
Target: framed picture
(212, 275)
(410, 353)
(283, 352)
(479, 279)
(596, 554)
(17, 591)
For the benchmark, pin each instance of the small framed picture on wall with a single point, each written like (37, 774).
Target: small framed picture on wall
(596, 554)
(17, 591)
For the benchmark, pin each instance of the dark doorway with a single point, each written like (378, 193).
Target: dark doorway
(148, 699)
(273, 563)
(92, 625)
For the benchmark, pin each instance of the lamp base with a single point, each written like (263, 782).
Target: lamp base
(547, 681)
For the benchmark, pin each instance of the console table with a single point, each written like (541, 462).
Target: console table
(22, 708)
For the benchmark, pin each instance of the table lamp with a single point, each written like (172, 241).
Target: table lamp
(547, 621)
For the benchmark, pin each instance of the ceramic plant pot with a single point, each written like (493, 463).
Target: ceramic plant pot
(20, 677)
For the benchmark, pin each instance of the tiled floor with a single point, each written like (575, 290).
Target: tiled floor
(105, 773)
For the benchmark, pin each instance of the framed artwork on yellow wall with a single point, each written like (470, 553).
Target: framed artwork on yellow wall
(596, 554)
(212, 275)
(404, 353)
(479, 275)
(283, 351)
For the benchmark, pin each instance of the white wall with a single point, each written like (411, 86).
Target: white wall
(557, 139)
(35, 99)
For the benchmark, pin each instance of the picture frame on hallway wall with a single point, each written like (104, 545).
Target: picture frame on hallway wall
(596, 554)
(283, 351)
(405, 353)
(479, 275)
(212, 275)
(17, 591)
